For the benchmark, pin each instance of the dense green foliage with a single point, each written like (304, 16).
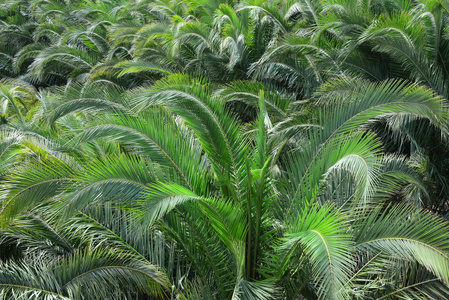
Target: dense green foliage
(282, 149)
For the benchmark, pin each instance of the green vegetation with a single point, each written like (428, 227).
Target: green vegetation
(282, 149)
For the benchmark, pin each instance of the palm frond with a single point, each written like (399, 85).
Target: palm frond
(322, 234)
(406, 232)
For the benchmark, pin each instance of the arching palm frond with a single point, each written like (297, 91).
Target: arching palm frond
(33, 184)
(404, 237)
(215, 128)
(321, 233)
(70, 277)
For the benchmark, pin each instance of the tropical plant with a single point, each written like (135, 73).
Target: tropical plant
(223, 150)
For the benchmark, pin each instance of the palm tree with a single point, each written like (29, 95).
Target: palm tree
(241, 213)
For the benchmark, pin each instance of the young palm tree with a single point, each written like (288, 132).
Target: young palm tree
(244, 218)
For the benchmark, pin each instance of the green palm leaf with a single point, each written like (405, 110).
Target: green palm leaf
(322, 234)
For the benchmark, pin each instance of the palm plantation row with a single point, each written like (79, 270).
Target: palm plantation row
(224, 149)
